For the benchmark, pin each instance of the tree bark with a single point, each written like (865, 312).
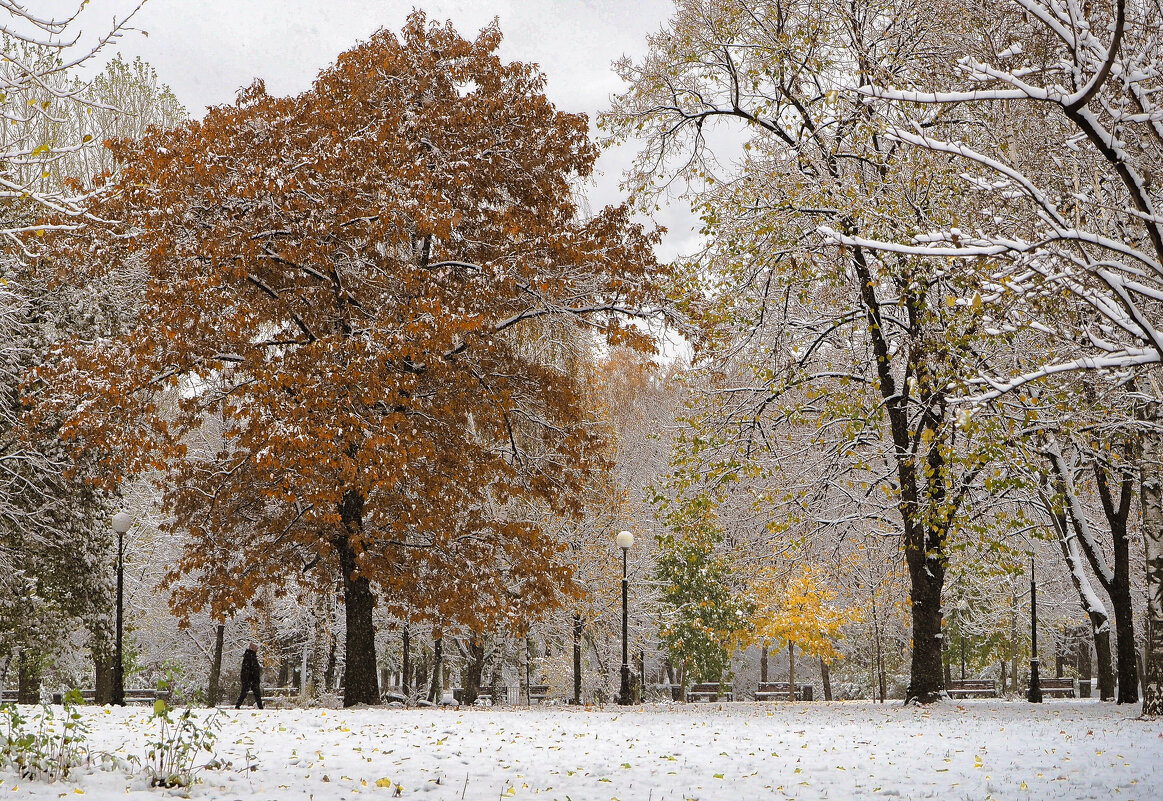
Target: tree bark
(497, 676)
(1119, 588)
(361, 682)
(406, 664)
(29, 671)
(473, 669)
(578, 628)
(927, 577)
(1151, 502)
(213, 692)
(672, 680)
(523, 671)
(791, 672)
(436, 686)
(103, 670)
(763, 664)
(1067, 530)
(826, 678)
(1116, 581)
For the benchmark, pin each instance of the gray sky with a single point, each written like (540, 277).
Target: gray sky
(207, 49)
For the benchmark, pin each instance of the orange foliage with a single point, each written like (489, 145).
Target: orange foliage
(345, 276)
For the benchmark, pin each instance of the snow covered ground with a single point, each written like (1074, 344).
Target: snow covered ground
(957, 750)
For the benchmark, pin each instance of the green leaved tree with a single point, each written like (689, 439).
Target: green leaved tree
(704, 615)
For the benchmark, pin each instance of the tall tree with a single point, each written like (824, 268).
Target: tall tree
(370, 255)
(1071, 203)
(862, 350)
(705, 614)
(54, 530)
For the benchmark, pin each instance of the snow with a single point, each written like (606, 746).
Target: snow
(1061, 749)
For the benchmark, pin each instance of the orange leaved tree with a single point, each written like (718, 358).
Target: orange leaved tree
(377, 261)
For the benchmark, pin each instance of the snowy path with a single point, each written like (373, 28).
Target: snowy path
(968, 750)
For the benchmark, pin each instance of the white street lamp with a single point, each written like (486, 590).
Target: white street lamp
(625, 541)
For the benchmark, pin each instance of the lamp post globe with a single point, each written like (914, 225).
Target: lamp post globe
(625, 540)
(121, 523)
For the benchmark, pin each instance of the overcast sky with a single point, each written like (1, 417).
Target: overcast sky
(207, 49)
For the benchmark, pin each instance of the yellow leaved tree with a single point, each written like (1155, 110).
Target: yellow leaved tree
(800, 611)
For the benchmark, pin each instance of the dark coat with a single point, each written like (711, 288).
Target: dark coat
(251, 672)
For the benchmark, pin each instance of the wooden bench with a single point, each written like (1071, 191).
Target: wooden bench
(710, 691)
(1057, 688)
(538, 693)
(972, 688)
(778, 691)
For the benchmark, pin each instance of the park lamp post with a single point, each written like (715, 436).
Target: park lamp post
(1035, 692)
(625, 540)
(121, 524)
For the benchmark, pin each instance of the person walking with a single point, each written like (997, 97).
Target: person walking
(251, 673)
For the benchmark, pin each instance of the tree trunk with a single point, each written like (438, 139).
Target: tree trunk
(361, 684)
(436, 686)
(1126, 662)
(672, 680)
(791, 672)
(329, 671)
(523, 671)
(29, 670)
(826, 678)
(763, 664)
(1081, 640)
(1151, 502)
(1116, 581)
(1068, 543)
(879, 687)
(1106, 670)
(1014, 642)
(1003, 677)
(420, 679)
(213, 692)
(497, 680)
(1118, 587)
(927, 576)
(103, 670)
(406, 664)
(578, 628)
(473, 669)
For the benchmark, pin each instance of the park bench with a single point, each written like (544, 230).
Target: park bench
(484, 697)
(710, 691)
(538, 693)
(132, 696)
(778, 691)
(1057, 688)
(972, 688)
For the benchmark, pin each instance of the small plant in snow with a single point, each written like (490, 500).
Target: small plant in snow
(47, 748)
(171, 756)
